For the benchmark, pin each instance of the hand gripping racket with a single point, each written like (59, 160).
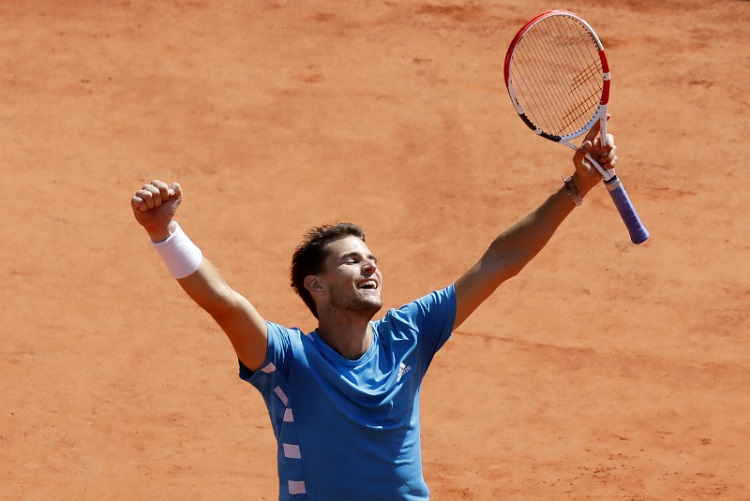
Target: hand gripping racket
(557, 76)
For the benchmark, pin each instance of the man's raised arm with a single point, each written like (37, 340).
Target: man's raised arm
(154, 207)
(516, 246)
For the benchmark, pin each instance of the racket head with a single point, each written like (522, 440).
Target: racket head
(557, 75)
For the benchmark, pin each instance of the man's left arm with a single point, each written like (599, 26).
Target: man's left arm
(516, 246)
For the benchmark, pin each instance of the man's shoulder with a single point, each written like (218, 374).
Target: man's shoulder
(440, 300)
(441, 297)
(283, 331)
(287, 346)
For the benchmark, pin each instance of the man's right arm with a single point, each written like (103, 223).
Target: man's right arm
(237, 317)
(154, 207)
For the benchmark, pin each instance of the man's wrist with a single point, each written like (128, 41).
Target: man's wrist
(159, 235)
(585, 183)
(180, 254)
(571, 188)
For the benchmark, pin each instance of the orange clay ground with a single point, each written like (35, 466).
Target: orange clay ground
(604, 370)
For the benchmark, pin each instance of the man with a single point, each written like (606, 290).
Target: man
(344, 399)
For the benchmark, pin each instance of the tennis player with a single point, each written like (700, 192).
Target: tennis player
(344, 398)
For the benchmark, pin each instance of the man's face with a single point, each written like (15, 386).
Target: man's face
(351, 276)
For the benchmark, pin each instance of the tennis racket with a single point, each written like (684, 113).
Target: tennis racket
(558, 79)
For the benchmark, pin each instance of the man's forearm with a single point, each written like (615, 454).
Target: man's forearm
(518, 245)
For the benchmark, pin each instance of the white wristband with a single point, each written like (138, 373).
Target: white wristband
(179, 253)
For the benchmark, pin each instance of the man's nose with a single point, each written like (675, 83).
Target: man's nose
(369, 265)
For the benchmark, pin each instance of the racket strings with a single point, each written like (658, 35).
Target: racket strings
(560, 49)
(560, 53)
(557, 75)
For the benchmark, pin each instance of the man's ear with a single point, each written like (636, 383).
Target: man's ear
(313, 284)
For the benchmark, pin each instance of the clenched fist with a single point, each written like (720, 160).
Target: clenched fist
(154, 207)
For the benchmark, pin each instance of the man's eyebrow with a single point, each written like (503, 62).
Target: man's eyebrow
(358, 254)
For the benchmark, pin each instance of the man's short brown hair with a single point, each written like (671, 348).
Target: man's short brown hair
(310, 256)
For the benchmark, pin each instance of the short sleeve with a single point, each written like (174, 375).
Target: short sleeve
(429, 319)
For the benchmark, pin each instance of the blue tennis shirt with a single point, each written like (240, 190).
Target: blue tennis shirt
(349, 429)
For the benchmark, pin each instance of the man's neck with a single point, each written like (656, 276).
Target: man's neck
(349, 337)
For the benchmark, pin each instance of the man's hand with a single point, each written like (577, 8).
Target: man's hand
(154, 206)
(586, 175)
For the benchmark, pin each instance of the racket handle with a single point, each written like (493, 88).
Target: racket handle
(638, 232)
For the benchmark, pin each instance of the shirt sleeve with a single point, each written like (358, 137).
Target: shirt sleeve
(271, 379)
(429, 318)
(437, 312)
(278, 352)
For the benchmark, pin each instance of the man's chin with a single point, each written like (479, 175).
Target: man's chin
(374, 306)
(364, 305)
(371, 306)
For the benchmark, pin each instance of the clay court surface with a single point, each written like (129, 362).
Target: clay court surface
(603, 371)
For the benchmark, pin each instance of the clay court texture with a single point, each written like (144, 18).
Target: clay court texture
(604, 370)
